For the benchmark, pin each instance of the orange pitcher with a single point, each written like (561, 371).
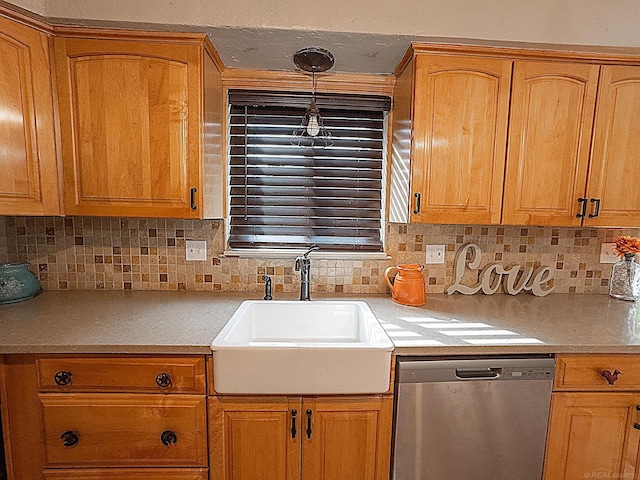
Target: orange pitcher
(408, 287)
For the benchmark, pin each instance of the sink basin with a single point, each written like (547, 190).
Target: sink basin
(292, 347)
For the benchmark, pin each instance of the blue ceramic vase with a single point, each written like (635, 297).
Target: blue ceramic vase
(17, 283)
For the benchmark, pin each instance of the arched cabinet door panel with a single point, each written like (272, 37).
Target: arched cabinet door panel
(552, 109)
(460, 115)
(615, 154)
(130, 115)
(29, 180)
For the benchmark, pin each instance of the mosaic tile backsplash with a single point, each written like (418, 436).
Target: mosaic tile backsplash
(149, 254)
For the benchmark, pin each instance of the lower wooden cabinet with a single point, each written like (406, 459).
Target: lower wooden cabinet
(289, 438)
(128, 474)
(592, 435)
(594, 429)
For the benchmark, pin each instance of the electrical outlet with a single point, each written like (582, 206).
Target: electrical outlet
(607, 254)
(435, 254)
(196, 249)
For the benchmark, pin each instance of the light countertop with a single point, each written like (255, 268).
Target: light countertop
(153, 322)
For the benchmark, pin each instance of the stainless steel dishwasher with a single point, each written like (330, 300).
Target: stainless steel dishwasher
(472, 419)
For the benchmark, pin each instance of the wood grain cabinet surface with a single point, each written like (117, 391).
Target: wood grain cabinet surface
(615, 152)
(289, 438)
(120, 430)
(594, 433)
(568, 130)
(132, 115)
(458, 108)
(122, 374)
(29, 180)
(552, 107)
(105, 416)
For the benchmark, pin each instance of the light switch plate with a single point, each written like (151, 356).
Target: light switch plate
(607, 254)
(435, 254)
(196, 249)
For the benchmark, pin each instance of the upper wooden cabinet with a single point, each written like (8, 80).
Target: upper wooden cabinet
(132, 117)
(29, 180)
(458, 107)
(615, 154)
(571, 146)
(552, 107)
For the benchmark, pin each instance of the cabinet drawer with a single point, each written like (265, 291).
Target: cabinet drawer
(127, 474)
(584, 372)
(122, 374)
(124, 430)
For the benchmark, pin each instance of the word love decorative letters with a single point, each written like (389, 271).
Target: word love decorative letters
(513, 280)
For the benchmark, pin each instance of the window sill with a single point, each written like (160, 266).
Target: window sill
(295, 253)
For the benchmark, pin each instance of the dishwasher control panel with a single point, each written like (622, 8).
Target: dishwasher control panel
(527, 373)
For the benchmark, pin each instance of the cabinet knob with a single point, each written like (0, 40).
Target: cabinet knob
(163, 380)
(62, 378)
(636, 426)
(69, 438)
(611, 377)
(168, 438)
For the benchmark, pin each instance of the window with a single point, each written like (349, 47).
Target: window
(287, 196)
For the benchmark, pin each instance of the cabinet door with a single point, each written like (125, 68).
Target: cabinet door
(459, 138)
(552, 110)
(253, 438)
(614, 174)
(591, 435)
(130, 126)
(349, 438)
(29, 179)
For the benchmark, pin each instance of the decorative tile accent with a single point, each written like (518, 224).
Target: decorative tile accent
(149, 254)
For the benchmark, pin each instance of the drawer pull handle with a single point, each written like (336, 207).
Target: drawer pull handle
(583, 212)
(418, 198)
(636, 426)
(69, 438)
(163, 380)
(193, 192)
(294, 430)
(309, 430)
(597, 210)
(611, 377)
(62, 378)
(168, 438)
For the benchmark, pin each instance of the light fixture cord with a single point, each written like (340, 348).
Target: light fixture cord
(313, 82)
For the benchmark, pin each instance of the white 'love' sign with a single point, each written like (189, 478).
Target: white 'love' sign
(512, 279)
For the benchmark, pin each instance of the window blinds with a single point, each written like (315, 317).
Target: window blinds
(288, 196)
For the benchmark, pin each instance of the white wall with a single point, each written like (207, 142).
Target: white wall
(35, 6)
(583, 22)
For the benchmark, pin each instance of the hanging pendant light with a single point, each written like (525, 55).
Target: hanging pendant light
(311, 132)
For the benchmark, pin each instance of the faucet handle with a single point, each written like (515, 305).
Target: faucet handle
(312, 248)
(267, 287)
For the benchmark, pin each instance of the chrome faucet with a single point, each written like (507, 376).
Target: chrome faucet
(303, 265)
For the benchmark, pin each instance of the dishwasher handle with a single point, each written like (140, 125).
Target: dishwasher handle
(478, 373)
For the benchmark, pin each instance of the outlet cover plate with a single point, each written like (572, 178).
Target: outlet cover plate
(435, 254)
(607, 254)
(196, 249)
